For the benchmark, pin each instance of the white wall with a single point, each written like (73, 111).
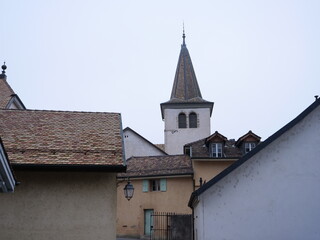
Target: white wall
(176, 138)
(134, 145)
(274, 195)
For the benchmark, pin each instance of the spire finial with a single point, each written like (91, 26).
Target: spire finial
(183, 36)
(4, 67)
(3, 74)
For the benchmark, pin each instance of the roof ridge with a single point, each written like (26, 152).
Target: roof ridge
(56, 111)
(254, 151)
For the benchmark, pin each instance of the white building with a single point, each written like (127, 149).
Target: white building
(138, 146)
(270, 193)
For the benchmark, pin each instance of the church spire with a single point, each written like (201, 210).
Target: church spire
(185, 86)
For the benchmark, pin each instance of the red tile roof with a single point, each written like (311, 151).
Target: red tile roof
(62, 138)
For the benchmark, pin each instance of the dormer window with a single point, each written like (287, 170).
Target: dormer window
(248, 146)
(216, 150)
(247, 142)
(193, 121)
(182, 120)
(188, 151)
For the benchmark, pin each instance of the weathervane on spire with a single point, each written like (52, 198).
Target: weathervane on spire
(183, 36)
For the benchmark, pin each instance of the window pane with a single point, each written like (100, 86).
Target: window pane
(155, 185)
(182, 120)
(216, 150)
(193, 120)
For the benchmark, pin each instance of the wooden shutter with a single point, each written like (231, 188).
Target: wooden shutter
(163, 185)
(145, 186)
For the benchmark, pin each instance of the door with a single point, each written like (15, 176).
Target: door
(147, 221)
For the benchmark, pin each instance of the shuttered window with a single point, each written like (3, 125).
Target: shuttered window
(154, 185)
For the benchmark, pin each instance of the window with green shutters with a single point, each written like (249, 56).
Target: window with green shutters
(154, 185)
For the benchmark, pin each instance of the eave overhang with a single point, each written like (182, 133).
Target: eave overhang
(71, 167)
(185, 105)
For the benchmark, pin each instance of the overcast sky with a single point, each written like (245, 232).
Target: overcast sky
(258, 61)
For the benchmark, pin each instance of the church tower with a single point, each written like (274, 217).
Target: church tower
(186, 115)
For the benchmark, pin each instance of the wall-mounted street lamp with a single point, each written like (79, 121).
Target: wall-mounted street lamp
(128, 190)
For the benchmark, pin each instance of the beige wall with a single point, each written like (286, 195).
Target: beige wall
(60, 205)
(130, 214)
(207, 169)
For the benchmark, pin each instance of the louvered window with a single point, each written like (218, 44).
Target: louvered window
(193, 121)
(182, 120)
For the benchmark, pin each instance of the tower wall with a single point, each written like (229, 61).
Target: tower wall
(175, 138)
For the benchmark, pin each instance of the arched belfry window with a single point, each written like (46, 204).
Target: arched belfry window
(193, 121)
(182, 120)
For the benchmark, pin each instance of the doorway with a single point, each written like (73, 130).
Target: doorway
(148, 222)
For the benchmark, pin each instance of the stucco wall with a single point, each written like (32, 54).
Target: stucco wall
(176, 138)
(136, 146)
(60, 205)
(207, 169)
(130, 214)
(274, 195)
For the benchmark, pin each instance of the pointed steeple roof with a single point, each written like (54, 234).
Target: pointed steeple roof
(185, 90)
(185, 86)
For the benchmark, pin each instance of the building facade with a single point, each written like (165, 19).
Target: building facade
(161, 183)
(66, 165)
(269, 193)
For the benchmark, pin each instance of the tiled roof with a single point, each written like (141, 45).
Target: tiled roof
(158, 166)
(160, 145)
(249, 135)
(62, 138)
(200, 149)
(185, 86)
(6, 93)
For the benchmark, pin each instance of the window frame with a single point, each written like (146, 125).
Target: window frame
(193, 120)
(248, 146)
(154, 185)
(216, 150)
(188, 151)
(182, 122)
